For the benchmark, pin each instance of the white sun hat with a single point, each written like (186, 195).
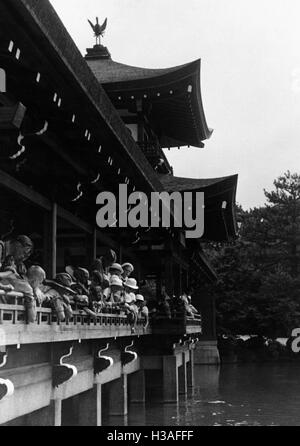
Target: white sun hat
(116, 281)
(140, 298)
(131, 283)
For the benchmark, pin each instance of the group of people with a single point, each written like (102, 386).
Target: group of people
(172, 307)
(106, 287)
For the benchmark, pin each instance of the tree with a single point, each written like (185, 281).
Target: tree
(258, 291)
(274, 230)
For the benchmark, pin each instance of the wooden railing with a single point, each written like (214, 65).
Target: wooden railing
(109, 323)
(179, 323)
(13, 312)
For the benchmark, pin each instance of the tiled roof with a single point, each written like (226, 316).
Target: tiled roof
(220, 224)
(174, 94)
(179, 184)
(109, 71)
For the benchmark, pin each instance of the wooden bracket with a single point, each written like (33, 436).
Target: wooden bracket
(11, 117)
(63, 373)
(102, 362)
(6, 386)
(128, 356)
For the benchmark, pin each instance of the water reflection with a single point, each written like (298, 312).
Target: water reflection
(234, 395)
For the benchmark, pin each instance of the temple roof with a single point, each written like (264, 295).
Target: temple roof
(219, 199)
(173, 94)
(47, 48)
(109, 71)
(172, 183)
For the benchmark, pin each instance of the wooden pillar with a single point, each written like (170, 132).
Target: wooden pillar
(53, 239)
(50, 241)
(182, 376)
(180, 280)
(55, 411)
(89, 407)
(91, 244)
(191, 370)
(137, 392)
(121, 254)
(170, 379)
(208, 311)
(118, 401)
(169, 275)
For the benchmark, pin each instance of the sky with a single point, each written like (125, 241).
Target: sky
(250, 80)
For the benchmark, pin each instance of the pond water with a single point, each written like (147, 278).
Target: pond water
(231, 395)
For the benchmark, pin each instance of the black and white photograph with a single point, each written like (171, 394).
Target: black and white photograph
(149, 216)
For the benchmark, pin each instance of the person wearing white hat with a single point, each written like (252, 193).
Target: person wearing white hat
(142, 308)
(115, 270)
(131, 287)
(113, 294)
(189, 308)
(128, 269)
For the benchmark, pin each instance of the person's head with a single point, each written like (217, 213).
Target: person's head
(96, 278)
(9, 262)
(82, 276)
(70, 270)
(64, 279)
(97, 266)
(115, 284)
(108, 258)
(21, 248)
(36, 276)
(116, 269)
(131, 285)
(128, 269)
(139, 300)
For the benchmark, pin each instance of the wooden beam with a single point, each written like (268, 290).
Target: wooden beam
(12, 117)
(40, 201)
(24, 191)
(58, 147)
(75, 221)
(4, 100)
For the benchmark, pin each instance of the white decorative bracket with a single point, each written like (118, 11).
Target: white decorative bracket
(6, 386)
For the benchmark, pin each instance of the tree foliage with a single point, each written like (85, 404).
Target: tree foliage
(258, 291)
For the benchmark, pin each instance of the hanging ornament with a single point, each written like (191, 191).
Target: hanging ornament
(80, 193)
(138, 238)
(22, 150)
(96, 179)
(43, 130)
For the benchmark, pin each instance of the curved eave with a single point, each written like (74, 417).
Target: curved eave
(220, 223)
(180, 114)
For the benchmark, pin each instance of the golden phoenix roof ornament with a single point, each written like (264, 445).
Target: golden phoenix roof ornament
(98, 29)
